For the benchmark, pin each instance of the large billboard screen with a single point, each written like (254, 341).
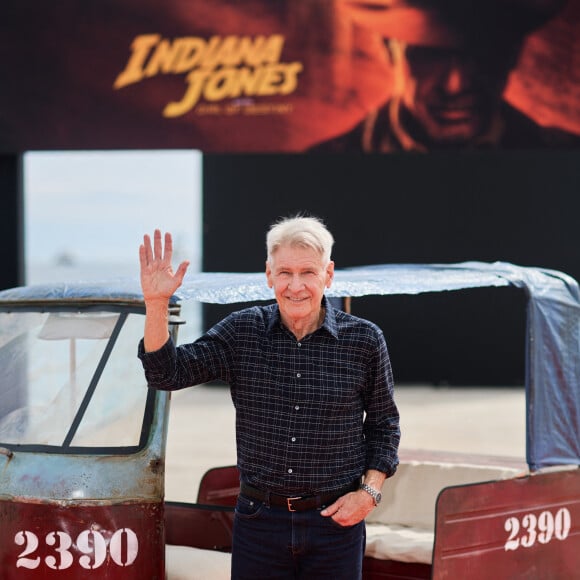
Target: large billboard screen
(290, 75)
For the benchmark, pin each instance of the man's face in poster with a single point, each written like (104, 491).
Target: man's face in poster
(451, 95)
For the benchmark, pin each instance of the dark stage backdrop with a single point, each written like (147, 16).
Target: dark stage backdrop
(11, 221)
(519, 207)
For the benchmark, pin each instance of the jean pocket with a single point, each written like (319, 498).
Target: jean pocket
(248, 507)
(337, 526)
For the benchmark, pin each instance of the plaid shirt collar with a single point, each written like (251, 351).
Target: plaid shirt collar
(329, 324)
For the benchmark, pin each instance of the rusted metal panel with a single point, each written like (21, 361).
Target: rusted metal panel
(78, 540)
(62, 477)
(527, 527)
(209, 527)
(52, 476)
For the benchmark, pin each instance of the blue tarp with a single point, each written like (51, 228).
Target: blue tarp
(553, 333)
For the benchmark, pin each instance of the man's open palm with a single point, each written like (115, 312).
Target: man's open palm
(158, 281)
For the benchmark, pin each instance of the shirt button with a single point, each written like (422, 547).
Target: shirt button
(298, 344)
(293, 439)
(298, 375)
(297, 407)
(289, 471)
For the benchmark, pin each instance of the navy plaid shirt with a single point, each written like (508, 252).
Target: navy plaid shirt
(311, 415)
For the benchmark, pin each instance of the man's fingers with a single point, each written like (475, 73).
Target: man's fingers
(168, 248)
(157, 247)
(161, 251)
(157, 257)
(142, 256)
(181, 270)
(148, 247)
(145, 251)
(331, 509)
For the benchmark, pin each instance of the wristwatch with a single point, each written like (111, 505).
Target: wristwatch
(376, 495)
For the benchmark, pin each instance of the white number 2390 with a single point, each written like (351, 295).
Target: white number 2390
(541, 528)
(89, 542)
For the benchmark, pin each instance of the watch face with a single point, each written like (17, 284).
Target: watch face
(378, 498)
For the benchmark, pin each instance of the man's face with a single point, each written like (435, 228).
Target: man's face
(299, 277)
(451, 94)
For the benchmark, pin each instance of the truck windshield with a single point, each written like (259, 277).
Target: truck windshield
(71, 380)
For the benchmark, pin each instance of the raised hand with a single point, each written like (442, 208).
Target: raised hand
(158, 280)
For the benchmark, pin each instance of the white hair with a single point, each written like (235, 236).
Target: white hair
(300, 231)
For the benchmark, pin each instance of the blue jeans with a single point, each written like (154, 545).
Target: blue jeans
(272, 543)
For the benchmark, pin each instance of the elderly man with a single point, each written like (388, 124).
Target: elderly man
(317, 428)
(451, 60)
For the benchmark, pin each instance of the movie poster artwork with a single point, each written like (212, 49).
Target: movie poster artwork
(317, 76)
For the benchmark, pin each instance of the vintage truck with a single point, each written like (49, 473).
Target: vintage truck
(83, 444)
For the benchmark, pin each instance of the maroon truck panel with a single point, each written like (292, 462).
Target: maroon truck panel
(111, 542)
(519, 528)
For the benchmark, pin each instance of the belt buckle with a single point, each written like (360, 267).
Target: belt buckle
(289, 501)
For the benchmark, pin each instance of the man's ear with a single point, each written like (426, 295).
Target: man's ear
(269, 275)
(329, 273)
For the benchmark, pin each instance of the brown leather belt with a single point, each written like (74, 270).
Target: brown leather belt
(299, 503)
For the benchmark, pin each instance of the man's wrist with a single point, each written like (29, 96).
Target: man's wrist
(374, 493)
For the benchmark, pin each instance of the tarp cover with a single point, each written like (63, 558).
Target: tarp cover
(553, 333)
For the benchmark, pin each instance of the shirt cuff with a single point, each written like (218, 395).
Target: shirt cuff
(156, 357)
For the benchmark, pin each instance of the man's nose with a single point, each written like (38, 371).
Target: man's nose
(456, 78)
(295, 283)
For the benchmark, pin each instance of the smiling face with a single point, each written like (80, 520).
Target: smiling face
(299, 277)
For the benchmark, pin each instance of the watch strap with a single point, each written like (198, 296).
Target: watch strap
(375, 494)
